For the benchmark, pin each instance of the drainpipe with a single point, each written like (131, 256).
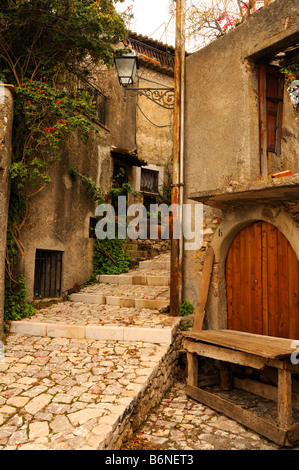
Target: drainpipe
(175, 196)
(182, 138)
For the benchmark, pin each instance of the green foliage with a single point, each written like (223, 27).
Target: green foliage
(291, 73)
(186, 308)
(40, 34)
(45, 118)
(91, 187)
(186, 325)
(120, 188)
(46, 48)
(110, 257)
(16, 307)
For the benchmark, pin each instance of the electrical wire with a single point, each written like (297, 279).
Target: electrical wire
(156, 125)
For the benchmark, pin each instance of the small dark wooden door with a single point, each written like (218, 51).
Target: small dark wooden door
(262, 280)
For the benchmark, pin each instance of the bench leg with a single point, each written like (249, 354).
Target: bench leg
(226, 376)
(284, 401)
(192, 363)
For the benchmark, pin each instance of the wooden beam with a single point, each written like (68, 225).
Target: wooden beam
(263, 121)
(263, 390)
(208, 380)
(203, 290)
(284, 399)
(293, 434)
(222, 354)
(192, 363)
(242, 416)
(226, 376)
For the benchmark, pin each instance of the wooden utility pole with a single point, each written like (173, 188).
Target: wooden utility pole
(175, 275)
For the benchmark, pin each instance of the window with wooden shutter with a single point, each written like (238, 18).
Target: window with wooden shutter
(149, 180)
(271, 89)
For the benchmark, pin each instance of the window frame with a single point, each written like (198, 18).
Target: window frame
(265, 71)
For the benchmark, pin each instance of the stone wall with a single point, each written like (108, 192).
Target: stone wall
(222, 148)
(194, 260)
(60, 214)
(6, 120)
(153, 391)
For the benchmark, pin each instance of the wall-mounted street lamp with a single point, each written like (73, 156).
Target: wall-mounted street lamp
(127, 66)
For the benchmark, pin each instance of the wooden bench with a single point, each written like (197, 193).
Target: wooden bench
(254, 351)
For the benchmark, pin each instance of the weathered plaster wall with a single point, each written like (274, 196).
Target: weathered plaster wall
(194, 260)
(222, 124)
(155, 142)
(60, 213)
(121, 116)
(222, 142)
(6, 121)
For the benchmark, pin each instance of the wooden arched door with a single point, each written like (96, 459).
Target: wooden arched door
(262, 281)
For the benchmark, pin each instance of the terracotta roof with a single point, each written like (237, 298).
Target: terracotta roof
(152, 53)
(127, 156)
(152, 42)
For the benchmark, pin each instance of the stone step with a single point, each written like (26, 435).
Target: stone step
(139, 255)
(144, 280)
(88, 298)
(152, 264)
(95, 332)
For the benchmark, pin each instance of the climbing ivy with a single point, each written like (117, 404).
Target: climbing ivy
(110, 255)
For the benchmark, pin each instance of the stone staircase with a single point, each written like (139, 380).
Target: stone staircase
(141, 250)
(124, 307)
(102, 361)
(147, 287)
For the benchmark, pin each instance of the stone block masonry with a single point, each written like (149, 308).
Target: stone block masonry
(152, 392)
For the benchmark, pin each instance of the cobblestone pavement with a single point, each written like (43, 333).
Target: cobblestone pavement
(144, 292)
(66, 393)
(180, 423)
(58, 393)
(78, 313)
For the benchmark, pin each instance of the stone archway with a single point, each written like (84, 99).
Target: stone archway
(233, 222)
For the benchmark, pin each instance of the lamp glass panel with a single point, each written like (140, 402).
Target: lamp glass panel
(126, 68)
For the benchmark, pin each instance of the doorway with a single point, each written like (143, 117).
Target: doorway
(262, 283)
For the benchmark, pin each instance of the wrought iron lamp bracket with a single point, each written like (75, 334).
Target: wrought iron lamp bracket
(163, 97)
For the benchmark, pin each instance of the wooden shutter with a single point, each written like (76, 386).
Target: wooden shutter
(271, 89)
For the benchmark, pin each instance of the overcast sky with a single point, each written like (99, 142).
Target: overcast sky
(151, 18)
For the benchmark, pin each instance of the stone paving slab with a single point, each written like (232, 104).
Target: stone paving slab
(79, 320)
(181, 423)
(159, 263)
(65, 394)
(58, 393)
(141, 279)
(78, 313)
(127, 291)
(125, 295)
